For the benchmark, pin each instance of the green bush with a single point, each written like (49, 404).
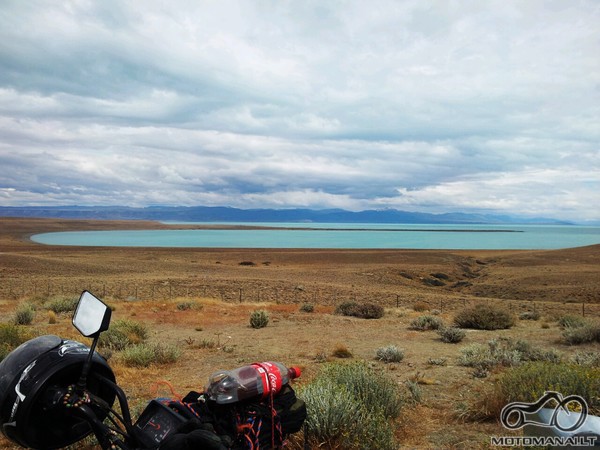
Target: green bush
(307, 307)
(571, 321)
(530, 315)
(123, 333)
(588, 359)
(361, 310)
(415, 392)
(344, 395)
(345, 309)
(142, 355)
(484, 317)
(389, 354)
(423, 323)
(451, 335)
(62, 304)
(530, 381)
(259, 318)
(11, 336)
(589, 332)
(24, 315)
(185, 306)
(503, 352)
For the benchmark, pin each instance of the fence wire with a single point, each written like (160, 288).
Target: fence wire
(279, 292)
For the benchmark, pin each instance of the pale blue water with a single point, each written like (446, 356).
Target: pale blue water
(344, 236)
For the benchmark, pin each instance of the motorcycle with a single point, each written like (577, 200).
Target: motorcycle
(55, 392)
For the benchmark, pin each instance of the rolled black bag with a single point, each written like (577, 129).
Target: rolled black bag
(249, 424)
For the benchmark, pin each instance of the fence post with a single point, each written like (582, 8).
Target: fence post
(241, 295)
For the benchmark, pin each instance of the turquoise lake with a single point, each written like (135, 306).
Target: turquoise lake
(341, 236)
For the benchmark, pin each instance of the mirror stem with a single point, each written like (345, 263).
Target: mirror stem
(81, 384)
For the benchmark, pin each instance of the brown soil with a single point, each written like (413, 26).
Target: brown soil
(147, 284)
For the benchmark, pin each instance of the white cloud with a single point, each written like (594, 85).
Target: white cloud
(423, 105)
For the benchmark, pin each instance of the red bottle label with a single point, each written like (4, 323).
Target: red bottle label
(270, 377)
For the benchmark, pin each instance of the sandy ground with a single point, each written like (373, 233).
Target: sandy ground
(147, 284)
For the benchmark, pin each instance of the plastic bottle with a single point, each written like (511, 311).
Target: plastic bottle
(255, 380)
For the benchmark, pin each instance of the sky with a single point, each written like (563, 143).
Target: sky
(477, 106)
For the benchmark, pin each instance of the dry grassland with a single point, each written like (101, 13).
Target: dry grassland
(553, 282)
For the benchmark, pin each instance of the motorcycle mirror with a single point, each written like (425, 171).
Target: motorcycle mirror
(92, 315)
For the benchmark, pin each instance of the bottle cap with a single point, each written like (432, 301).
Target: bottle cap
(295, 372)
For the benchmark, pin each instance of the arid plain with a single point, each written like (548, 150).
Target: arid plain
(226, 285)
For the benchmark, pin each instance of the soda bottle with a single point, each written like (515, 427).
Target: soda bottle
(255, 380)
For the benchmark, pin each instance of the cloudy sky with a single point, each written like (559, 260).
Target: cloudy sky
(434, 106)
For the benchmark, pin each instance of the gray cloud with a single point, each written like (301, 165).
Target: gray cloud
(414, 105)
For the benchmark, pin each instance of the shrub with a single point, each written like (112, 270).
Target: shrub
(341, 351)
(320, 356)
(589, 332)
(346, 394)
(361, 310)
(451, 335)
(390, 354)
(530, 315)
(206, 343)
(122, 334)
(11, 336)
(588, 359)
(369, 386)
(370, 311)
(433, 282)
(345, 309)
(423, 323)
(421, 307)
(185, 306)
(530, 353)
(24, 315)
(440, 276)
(571, 321)
(503, 352)
(51, 317)
(259, 318)
(484, 317)
(307, 307)
(142, 355)
(437, 361)
(415, 392)
(530, 381)
(62, 304)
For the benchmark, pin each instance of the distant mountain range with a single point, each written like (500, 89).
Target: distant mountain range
(227, 214)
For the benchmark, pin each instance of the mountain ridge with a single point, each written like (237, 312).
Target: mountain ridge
(231, 214)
